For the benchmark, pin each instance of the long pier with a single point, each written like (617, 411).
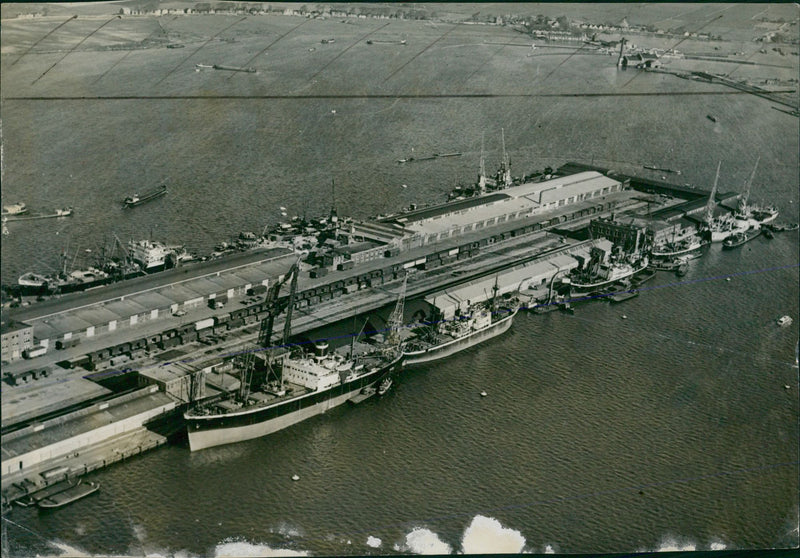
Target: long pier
(511, 251)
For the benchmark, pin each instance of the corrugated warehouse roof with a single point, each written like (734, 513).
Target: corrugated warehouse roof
(523, 198)
(582, 183)
(63, 323)
(151, 300)
(125, 307)
(96, 315)
(534, 188)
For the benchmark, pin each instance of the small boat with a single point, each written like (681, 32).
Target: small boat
(15, 209)
(65, 212)
(784, 321)
(136, 199)
(295, 478)
(661, 169)
(769, 234)
(484, 394)
(781, 227)
(68, 496)
(643, 277)
(623, 296)
(33, 499)
(712, 118)
(384, 386)
(363, 395)
(430, 157)
(234, 68)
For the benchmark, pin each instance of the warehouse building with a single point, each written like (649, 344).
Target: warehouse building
(17, 337)
(511, 204)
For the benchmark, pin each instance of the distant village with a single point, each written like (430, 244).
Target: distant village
(539, 27)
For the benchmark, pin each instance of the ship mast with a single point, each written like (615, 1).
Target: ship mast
(712, 202)
(746, 195)
(334, 217)
(506, 164)
(482, 175)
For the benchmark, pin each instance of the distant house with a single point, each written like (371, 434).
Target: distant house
(640, 60)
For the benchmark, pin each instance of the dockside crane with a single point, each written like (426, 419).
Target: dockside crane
(712, 200)
(396, 319)
(274, 306)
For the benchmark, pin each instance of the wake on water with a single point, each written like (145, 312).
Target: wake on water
(484, 535)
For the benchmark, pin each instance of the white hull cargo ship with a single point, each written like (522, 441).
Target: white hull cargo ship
(453, 336)
(681, 247)
(309, 386)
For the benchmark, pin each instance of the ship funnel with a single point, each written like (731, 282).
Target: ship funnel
(320, 348)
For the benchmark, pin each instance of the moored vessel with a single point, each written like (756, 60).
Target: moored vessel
(480, 322)
(25, 216)
(18, 208)
(32, 283)
(292, 385)
(154, 256)
(679, 247)
(740, 238)
(603, 270)
(71, 494)
(306, 386)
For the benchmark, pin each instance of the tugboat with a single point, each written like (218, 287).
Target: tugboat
(740, 238)
(385, 384)
(136, 199)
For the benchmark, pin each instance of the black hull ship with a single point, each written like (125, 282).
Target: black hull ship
(274, 408)
(279, 388)
(137, 200)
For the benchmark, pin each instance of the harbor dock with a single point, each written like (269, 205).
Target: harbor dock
(73, 408)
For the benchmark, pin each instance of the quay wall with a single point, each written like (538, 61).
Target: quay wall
(64, 447)
(89, 322)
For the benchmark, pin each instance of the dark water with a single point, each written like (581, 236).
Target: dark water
(671, 428)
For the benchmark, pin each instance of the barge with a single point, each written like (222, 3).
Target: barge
(136, 199)
(71, 494)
